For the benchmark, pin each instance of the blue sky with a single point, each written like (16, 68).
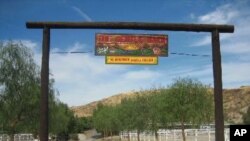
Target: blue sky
(83, 78)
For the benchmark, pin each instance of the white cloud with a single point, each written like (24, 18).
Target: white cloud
(236, 72)
(236, 43)
(234, 13)
(240, 48)
(206, 40)
(233, 45)
(28, 43)
(202, 73)
(82, 14)
(222, 15)
(77, 75)
(203, 41)
(83, 78)
(141, 75)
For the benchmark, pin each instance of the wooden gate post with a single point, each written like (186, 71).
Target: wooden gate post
(218, 97)
(44, 101)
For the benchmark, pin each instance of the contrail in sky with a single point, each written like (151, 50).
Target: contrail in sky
(82, 14)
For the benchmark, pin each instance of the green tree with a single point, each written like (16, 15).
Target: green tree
(62, 121)
(79, 124)
(106, 120)
(59, 118)
(84, 123)
(140, 114)
(19, 94)
(126, 115)
(185, 102)
(134, 113)
(157, 110)
(191, 103)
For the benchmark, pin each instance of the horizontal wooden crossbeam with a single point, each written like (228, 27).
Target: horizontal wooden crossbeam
(134, 26)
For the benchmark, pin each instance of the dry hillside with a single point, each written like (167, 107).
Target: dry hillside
(87, 110)
(236, 102)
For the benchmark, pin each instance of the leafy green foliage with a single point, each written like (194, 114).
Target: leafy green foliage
(20, 96)
(19, 83)
(134, 113)
(191, 103)
(185, 102)
(84, 123)
(105, 120)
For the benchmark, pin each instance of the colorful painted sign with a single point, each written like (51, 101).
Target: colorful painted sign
(131, 45)
(136, 60)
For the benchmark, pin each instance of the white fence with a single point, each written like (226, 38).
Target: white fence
(4, 137)
(175, 135)
(17, 137)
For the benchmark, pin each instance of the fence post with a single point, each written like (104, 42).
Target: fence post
(226, 135)
(144, 137)
(129, 135)
(159, 135)
(154, 136)
(196, 134)
(174, 134)
(186, 134)
(166, 134)
(209, 137)
(148, 137)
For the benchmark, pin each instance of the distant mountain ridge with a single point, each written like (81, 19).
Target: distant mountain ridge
(236, 101)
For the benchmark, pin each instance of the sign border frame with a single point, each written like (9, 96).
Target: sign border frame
(106, 58)
(167, 44)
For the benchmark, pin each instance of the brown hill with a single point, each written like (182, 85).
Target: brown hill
(87, 110)
(236, 102)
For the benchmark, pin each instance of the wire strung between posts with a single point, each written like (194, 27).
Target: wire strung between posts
(189, 54)
(173, 53)
(65, 52)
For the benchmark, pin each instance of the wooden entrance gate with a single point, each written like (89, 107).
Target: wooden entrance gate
(215, 31)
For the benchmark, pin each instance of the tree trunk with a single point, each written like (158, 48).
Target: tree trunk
(12, 137)
(156, 136)
(183, 131)
(13, 130)
(104, 133)
(138, 135)
(128, 136)
(111, 135)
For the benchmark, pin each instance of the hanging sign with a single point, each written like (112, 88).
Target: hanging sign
(131, 44)
(133, 60)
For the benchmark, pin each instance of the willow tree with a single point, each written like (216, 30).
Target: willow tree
(156, 110)
(191, 103)
(106, 120)
(19, 88)
(134, 113)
